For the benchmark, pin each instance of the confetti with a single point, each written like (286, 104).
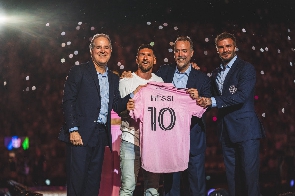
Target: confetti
(92, 28)
(263, 114)
(75, 52)
(63, 60)
(279, 51)
(77, 63)
(63, 44)
(5, 83)
(79, 23)
(289, 38)
(160, 27)
(165, 24)
(237, 49)
(261, 72)
(289, 30)
(152, 43)
(206, 39)
(63, 33)
(171, 43)
(33, 88)
(244, 30)
(170, 50)
(253, 47)
(209, 74)
(119, 64)
(122, 67)
(69, 43)
(205, 52)
(266, 49)
(175, 28)
(77, 27)
(28, 78)
(291, 64)
(71, 56)
(261, 49)
(148, 23)
(165, 60)
(47, 24)
(27, 89)
(283, 110)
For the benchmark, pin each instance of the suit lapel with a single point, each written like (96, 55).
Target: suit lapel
(170, 73)
(92, 72)
(111, 86)
(229, 75)
(191, 78)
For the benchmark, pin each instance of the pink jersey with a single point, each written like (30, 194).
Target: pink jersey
(165, 114)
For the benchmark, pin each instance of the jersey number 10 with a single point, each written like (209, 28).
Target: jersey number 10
(153, 111)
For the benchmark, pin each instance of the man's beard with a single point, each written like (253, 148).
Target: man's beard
(144, 70)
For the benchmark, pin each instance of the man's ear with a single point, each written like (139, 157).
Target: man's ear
(155, 60)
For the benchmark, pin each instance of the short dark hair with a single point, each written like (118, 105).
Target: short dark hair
(225, 35)
(185, 38)
(91, 45)
(142, 46)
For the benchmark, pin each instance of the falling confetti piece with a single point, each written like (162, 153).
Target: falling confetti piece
(175, 28)
(165, 60)
(279, 51)
(77, 27)
(63, 44)
(119, 64)
(170, 50)
(266, 49)
(289, 30)
(160, 27)
(263, 114)
(92, 28)
(283, 110)
(262, 72)
(75, 52)
(244, 30)
(69, 43)
(28, 78)
(5, 83)
(152, 43)
(209, 74)
(289, 38)
(33, 88)
(47, 24)
(205, 52)
(79, 23)
(206, 39)
(261, 49)
(253, 47)
(171, 43)
(165, 24)
(291, 64)
(71, 56)
(237, 49)
(122, 67)
(148, 23)
(27, 89)
(77, 63)
(63, 33)
(63, 60)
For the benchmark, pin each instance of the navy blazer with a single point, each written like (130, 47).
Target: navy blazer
(201, 82)
(236, 114)
(82, 101)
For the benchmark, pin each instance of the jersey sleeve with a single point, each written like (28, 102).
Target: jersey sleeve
(137, 113)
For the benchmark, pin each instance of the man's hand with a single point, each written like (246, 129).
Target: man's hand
(75, 138)
(126, 74)
(195, 66)
(138, 88)
(130, 105)
(194, 94)
(204, 102)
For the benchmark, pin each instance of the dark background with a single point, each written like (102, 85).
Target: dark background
(265, 32)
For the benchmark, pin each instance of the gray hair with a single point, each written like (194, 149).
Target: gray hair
(91, 45)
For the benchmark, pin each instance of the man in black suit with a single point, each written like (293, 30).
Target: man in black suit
(91, 92)
(239, 129)
(182, 75)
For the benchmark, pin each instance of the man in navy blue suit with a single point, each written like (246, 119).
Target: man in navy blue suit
(91, 92)
(239, 128)
(182, 75)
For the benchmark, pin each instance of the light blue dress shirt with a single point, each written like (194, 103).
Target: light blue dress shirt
(221, 77)
(180, 79)
(104, 94)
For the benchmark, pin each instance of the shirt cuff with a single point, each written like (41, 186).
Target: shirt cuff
(131, 95)
(73, 129)
(213, 102)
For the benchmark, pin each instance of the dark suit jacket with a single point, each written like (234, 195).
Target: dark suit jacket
(236, 113)
(82, 101)
(201, 82)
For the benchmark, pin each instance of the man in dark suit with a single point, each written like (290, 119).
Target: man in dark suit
(239, 128)
(182, 75)
(90, 92)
